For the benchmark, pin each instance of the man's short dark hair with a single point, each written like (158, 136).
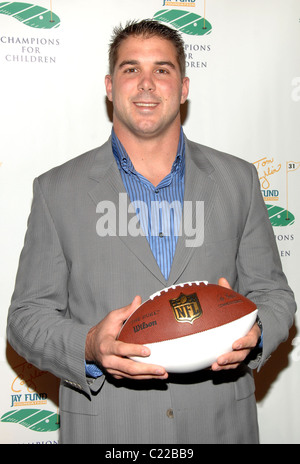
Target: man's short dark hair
(146, 28)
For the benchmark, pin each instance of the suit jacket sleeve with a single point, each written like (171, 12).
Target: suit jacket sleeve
(39, 328)
(261, 277)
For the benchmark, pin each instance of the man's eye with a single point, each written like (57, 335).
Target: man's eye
(162, 71)
(130, 70)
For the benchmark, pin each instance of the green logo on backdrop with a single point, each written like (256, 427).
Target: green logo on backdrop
(31, 15)
(279, 216)
(183, 21)
(38, 420)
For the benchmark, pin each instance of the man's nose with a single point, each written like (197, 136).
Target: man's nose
(146, 83)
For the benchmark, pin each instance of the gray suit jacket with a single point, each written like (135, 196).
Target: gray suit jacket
(69, 278)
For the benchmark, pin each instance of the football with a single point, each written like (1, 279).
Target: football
(189, 325)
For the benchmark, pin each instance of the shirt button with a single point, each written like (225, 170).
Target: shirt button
(161, 234)
(157, 191)
(170, 413)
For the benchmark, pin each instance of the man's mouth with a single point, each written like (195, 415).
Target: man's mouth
(146, 105)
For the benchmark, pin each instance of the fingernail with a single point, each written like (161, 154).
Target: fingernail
(223, 363)
(217, 368)
(237, 347)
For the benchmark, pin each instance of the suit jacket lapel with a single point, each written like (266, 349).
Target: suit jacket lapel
(199, 187)
(110, 188)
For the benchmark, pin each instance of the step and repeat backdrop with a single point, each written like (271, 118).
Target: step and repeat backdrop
(242, 57)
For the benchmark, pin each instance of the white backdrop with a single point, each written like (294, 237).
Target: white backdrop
(244, 99)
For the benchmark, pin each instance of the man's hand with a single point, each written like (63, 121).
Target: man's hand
(112, 355)
(241, 348)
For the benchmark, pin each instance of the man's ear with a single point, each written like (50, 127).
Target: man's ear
(185, 89)
(108, 86)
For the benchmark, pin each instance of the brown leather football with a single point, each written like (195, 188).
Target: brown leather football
(187, 326)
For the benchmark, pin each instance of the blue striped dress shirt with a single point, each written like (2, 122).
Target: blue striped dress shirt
(158, 208)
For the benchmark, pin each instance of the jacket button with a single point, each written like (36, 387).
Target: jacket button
(170, 413)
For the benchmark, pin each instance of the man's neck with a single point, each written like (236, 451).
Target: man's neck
(151, 157)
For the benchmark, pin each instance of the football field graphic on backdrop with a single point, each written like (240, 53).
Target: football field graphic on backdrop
(39, 420)
(184, 21)
(31, 15)
(279, 216)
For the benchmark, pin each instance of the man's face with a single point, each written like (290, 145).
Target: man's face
(146, 87)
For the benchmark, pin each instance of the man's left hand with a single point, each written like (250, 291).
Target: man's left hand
(241, 348)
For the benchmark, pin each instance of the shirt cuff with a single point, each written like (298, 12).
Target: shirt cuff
(260, 341)
(92, 370)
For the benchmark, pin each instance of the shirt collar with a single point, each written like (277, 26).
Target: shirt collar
(124, 162)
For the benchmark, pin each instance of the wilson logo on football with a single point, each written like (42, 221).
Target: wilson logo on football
(186, 308)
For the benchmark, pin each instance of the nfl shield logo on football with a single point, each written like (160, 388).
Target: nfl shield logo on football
(186, 308)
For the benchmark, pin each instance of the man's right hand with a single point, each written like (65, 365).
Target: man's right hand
(103, 348)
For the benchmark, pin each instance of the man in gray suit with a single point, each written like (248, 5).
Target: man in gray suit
(81, 261)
